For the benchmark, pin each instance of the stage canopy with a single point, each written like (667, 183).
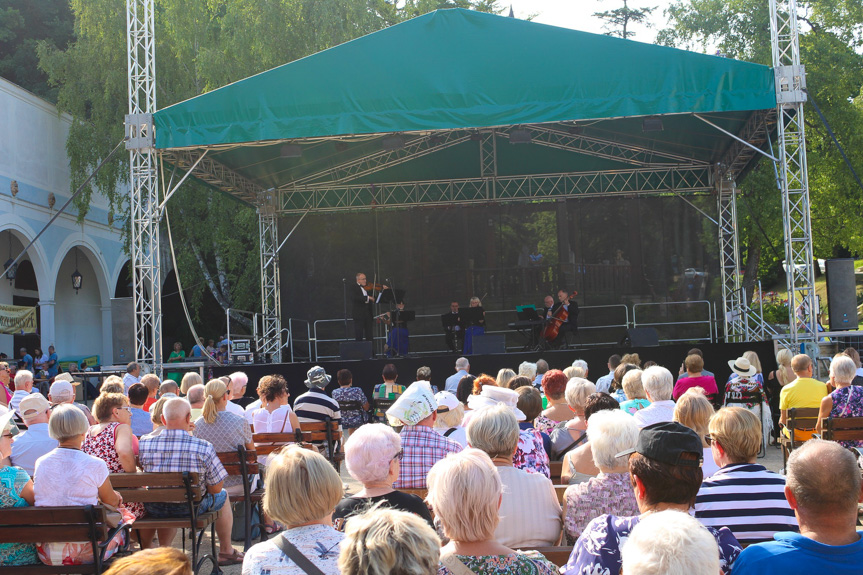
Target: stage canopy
(459, 106)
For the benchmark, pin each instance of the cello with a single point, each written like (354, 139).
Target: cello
(552, 326)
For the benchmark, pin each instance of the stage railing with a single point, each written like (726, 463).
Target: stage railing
(667, 315)
(299, 327)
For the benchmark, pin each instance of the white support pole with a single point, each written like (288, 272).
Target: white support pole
(269, 337)
(143, 178)
(793, 178)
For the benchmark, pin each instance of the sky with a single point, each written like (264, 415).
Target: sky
(577, 14)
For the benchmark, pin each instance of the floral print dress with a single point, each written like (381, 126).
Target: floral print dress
(530, 454)
(544, 424)
(12, 481)
(848, 402)
(351, 419)
(102, 446)
(520, 563)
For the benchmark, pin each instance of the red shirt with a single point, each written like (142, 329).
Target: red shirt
(151, 400)
(705, 381)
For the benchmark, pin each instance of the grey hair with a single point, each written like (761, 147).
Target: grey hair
(176, 409)
(671, 543)
(22, 377)
(843, 369)
(195, 394)
(369, 451)
(577, 391)
(527, 369)
(67, 422)
(462, 363)
(582, 364)
(658, 382)
(609, 433)
(494, 430)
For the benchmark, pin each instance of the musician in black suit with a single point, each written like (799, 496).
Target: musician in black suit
(362, 303)
(571, 323)
(452, 326)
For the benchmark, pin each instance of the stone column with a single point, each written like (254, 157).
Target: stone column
(46, 323)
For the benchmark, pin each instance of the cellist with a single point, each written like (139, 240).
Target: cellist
(570, 324)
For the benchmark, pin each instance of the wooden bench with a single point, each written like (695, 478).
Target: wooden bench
(557, 555)
(244, 464)
(842, 428)
(56, 525)
(556, 468)
(799, 419)
(327, 432)
(183, 488)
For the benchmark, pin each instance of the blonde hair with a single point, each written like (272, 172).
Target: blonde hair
(103, 407)
(783, 359)
(189, 379)
(302, 486)
(389, 542)
(451, 418)
(494, 430)
(574, 371)
(215, 390)
(112, 384)
(464, 490)
(753, 360)
(156, 410)
(577, 391)
(632, 386)
(161, 561)
(738, 431)
(694, 411)
(504, 376)
(475, 299)
(632, 358)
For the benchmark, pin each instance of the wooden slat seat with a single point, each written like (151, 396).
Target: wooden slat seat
(842, 428)
(556, 468)
(184, 488)
(244, 464)
(267, 443)
(799, 419)
(326, 432)
(55, 525)
(558, 555)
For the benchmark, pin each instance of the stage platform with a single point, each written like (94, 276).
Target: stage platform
(367, 373)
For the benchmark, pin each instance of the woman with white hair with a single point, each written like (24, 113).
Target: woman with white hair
(450, 413)
(529, 505)
(373, 457)
(636, 399)
(672, 543)
(568, 435)
(845, 400)
(610, 432)
(465, 492)
(658, 384)
(237, 392)
(302, 491)
(67, 476)
(527, 369)
(389, 542)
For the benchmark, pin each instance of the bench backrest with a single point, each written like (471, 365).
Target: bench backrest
(802, 418)
(318, 431)
(240, 462)
(556, 468)
(159, 487)
(266, 443)
(52, 524)
(842, 428)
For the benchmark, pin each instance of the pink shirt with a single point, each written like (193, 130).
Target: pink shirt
(704, 381)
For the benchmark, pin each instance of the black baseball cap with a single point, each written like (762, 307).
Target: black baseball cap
(666, 442)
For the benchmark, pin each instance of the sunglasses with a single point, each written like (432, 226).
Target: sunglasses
(400, 454)
(709, 440)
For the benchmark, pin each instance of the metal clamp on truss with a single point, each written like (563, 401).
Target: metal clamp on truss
(140, 132)
(266, 202)
(790, 84)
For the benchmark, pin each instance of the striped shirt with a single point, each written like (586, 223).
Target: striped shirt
(748, 499)
(315, 405)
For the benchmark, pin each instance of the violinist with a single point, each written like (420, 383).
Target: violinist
(397, 340)
(474, 319)
(362, 305)
(570, 325)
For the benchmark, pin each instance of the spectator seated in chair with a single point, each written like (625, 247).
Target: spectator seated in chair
(32, 444)
(846, 400)
(802, 392)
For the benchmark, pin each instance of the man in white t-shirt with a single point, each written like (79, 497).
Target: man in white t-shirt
(133, 373)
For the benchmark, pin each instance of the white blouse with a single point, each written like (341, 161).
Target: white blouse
(68, 477)
(276, 422)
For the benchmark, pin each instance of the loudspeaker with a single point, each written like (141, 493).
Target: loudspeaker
(841, 294)
(486, 344)
(640, 337)
(355, 350)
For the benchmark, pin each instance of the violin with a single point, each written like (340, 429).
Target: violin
(552, 327)
(375, 287)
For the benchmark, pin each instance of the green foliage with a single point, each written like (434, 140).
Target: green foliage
(200, 46)
(775, 312)
(619, 19)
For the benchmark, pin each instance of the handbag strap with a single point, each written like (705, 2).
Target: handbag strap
(297, 556)
(455, 565)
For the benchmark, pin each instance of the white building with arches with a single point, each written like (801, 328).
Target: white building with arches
(34, 184)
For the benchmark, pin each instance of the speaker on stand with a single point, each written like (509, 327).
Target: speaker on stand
(841, 294)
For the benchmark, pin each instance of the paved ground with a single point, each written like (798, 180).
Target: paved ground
(772, 460)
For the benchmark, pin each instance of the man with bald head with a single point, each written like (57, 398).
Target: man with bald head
(175, 450)
(802, 392)
(823, 488)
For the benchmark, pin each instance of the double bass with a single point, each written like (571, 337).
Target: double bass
(552, 326)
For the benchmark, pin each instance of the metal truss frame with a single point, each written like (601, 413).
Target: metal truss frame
(214, 173)
(755, 132)
(489, 189)
(144, 189)
(729, 261)
(269, 336)
(793, 177)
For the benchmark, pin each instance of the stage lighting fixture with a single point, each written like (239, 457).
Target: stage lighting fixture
(291, 151)
(519, 136)
(651, 125)
(395, 142)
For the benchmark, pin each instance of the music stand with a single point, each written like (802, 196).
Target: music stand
(471, 315)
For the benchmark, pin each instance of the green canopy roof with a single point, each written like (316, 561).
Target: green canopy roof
(453, 69)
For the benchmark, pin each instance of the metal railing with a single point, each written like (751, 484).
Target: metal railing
(665, 313)
(295, 329)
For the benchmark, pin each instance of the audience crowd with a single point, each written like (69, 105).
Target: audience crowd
(659, 473)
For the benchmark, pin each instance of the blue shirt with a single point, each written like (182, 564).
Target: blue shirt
(196, 351)
(452, 381)
(794, 554)
(28, 362)
(141, 422)
(603, 384)
(55, 367)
